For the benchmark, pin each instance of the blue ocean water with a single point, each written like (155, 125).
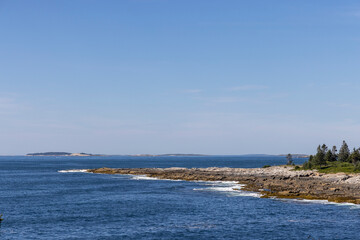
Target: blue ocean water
(39, 202)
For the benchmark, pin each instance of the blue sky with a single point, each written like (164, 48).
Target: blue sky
(168, 76)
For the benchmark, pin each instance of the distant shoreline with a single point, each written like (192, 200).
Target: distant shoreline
(63, 154)
(168, 155)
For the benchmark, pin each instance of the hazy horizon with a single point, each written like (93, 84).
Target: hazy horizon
(156, 76)
(160, 154)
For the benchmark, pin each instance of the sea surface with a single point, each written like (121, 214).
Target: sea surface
(41, 199)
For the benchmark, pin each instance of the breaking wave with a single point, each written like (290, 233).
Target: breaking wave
(326, 202)
(144, 177)
(73, 171)
(230, 188)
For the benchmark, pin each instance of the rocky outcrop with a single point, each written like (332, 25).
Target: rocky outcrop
(279, 181)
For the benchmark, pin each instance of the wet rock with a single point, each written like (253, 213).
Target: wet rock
(278, 181)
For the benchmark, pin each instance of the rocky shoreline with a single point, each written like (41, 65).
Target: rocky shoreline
(277, 181)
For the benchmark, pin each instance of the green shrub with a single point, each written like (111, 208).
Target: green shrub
(307, 165)
(266, 166)
(357, 167)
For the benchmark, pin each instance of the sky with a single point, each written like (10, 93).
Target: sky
(179, 76)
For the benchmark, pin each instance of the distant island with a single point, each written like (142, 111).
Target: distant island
(63, 154)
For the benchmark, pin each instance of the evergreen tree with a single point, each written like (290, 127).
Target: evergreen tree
(324, 148)
(309, 163)
(319, 158)
(328, 156)
(311, 159)
(344, 152)
(355, 156)
(333, 153)
(289, 159)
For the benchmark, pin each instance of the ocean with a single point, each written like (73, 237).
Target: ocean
(41, 199)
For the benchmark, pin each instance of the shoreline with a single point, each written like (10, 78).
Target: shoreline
(276, 181)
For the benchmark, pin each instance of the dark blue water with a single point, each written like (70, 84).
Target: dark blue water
(38, 202)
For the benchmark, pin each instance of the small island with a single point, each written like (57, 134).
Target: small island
(63, 154)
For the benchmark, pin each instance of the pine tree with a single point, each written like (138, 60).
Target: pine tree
(319, 158)
(333, 153)
(324, 148)
(311, 159)
(354, 156)
(307, 165)
(328, 156)
(344, 152)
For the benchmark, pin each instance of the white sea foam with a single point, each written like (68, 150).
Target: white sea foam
(326, 202)
(73, 171)
(220, 182)
(230, 188)
(144, 177)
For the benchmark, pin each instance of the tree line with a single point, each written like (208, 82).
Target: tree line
(324, 155)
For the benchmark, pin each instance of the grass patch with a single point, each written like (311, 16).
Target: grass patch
(334, 167)
(337, 167)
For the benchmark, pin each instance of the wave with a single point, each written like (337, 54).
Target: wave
(73, 171)
(326, 202)
(144, 177)
(230, 188)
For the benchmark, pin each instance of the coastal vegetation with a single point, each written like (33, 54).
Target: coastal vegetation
(329, 161)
